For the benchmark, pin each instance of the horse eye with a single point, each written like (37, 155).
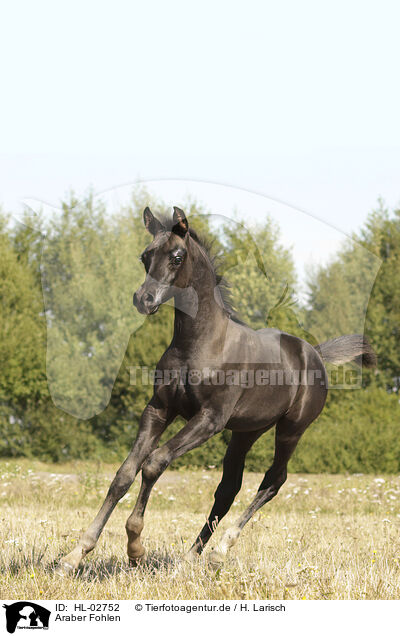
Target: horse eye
(178, 260)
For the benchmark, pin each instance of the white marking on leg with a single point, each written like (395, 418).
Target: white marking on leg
(229, 539)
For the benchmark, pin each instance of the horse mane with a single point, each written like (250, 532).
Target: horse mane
(207, 245)
(223, 285)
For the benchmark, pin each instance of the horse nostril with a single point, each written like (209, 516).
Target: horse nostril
(148, 298)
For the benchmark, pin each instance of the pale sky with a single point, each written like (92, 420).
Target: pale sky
(295, 101)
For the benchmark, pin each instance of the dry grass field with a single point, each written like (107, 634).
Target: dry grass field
(323, 537)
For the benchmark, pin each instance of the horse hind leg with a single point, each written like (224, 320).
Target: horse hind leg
(287, 436)
(229, 486)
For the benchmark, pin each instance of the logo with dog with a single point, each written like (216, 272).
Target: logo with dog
(26, 615)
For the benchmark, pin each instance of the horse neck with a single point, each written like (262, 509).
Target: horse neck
(208, 319)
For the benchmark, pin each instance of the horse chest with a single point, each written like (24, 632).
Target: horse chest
(186, 398)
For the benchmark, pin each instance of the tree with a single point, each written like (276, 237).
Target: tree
(358, 291)
(23, 377)
(339, 293)
(382, 236)
(261, 275)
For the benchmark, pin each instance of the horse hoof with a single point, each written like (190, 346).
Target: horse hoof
(216, 559)
(135, 562)
(64, 569)
(190, 557)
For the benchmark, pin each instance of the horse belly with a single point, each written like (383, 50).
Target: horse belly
(260, 407)
(245, 424)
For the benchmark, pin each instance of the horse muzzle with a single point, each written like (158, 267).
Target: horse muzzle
(145, 303)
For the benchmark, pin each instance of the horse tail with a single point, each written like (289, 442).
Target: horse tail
(347, 348)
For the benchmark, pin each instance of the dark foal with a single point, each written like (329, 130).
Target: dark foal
(210, 343)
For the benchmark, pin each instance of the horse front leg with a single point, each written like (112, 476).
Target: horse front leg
(197, 431)
(153, 422)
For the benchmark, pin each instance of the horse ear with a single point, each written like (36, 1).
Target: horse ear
(179, 222)
(151, 224)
